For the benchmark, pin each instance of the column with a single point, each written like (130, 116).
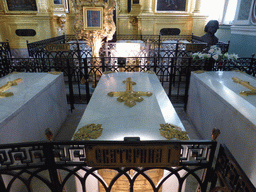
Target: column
(197, 6)
(123, 6)
(147, 6)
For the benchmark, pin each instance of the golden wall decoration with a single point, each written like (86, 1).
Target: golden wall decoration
(94, 37)
(51, 20)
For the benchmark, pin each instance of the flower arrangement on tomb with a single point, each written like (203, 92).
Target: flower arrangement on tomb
(87, 132)
(170, 131)
(214, 53)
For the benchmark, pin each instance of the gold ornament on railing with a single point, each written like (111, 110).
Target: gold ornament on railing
(170, 131)
(8, 86)
(49, 134)
(215, 134)
(129, 97)
(87, 132)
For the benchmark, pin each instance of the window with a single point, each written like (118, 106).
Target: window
(221, 10)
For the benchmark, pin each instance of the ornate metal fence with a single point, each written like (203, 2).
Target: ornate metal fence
(56, 166)
(228, 175)
(81, 74)
(5, 53)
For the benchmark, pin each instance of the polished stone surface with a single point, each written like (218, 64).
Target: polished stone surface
(118, 120)
(214, 102)
(39, 102)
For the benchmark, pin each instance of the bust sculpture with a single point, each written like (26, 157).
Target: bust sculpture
(211, 27)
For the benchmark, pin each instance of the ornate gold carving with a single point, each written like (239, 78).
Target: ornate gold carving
(170, 131)
(245, 84)
(87, 132)
(7, 86)
(199, 71)
(61, 21)
(130, 97)
(94, 37)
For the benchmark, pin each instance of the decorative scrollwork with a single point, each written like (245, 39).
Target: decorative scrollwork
(170, 131)
(91, 131)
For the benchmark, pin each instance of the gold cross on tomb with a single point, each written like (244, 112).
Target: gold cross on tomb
(7, 86)
(129, 97)
(247, 85)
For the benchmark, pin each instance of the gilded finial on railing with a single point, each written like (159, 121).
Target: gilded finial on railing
(215, 134)
(49, 134)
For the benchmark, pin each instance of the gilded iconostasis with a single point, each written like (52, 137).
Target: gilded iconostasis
(34, 20)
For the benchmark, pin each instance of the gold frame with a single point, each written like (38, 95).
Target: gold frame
(98, 19)
(6, 9)
(171, 11)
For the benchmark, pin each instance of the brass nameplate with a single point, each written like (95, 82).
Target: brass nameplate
(133, 156)
(58, 47)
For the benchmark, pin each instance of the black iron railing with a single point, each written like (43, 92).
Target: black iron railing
(5, 52)
(228, 175)
(173, 73)
(55, 165)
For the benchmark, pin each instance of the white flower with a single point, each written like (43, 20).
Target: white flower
(211, 51)
(215, 57)
(215, 53)
(234, 56)
(208, 56)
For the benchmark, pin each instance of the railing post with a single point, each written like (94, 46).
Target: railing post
(155, 64)
(251, 71)
(70, 85)
(86, 76)
(79, 56)
(102, 58)
(50, 164)
(159, 43)
(6, 65)
(171, 77)
(188, 74)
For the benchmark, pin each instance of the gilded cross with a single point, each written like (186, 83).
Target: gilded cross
(129, 97)
(7, 86)
(247, 85)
